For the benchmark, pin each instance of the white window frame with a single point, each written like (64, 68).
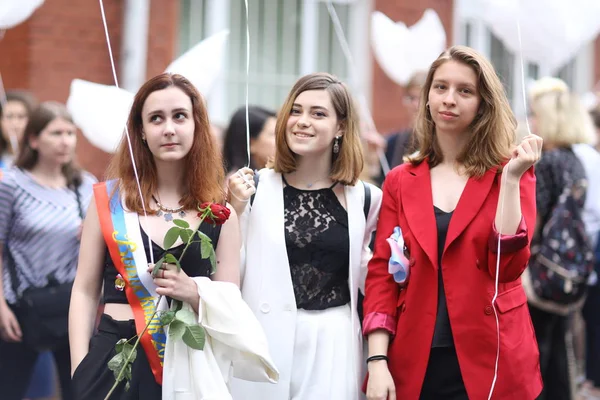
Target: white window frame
(217, 18)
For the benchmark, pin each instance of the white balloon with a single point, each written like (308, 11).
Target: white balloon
(402, 51)
(100, 111)
(552, 31)
(13, 12)
(203, 63)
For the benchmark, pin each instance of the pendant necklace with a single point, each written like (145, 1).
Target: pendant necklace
(167, 212)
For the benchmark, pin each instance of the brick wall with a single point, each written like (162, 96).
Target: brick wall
(64, 40)
(388, 110)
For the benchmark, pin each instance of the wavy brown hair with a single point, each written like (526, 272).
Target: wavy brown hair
(204, 172)
(348, 163)
(39, 119)
(493, 131)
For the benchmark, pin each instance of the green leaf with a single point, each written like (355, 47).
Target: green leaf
(195, 337)
(171, 237)
(205, 249)
(127, 350)
(119, 345)
(116, 363)
(127, 386)
(170, 258)
(181, 223)
(157, 266)
(176, 329)
(178, 305)
(213, 262)
(185, 235)
(186, 316)
(167, 317)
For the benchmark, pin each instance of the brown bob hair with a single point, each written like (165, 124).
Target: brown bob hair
(204, 170)
(348, 163)
(493, 131)
(39, 118)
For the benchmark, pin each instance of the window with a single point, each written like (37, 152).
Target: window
(288, 38)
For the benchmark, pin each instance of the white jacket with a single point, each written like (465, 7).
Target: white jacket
(267, 283)
(234, 339)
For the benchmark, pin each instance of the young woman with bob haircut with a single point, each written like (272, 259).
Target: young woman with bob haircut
(306, 236)
(434, 335)
(176, 159)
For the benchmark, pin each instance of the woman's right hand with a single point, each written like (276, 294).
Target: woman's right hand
(10, 330)
(241, 188)
(380, 385)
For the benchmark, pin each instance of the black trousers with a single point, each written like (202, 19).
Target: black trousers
(93, 380)
(17, 362)
(550, 331)
(591, 314)
(443, 379)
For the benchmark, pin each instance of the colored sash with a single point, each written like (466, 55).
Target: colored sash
(121, 231)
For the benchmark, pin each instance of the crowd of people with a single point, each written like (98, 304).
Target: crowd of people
(475, 255)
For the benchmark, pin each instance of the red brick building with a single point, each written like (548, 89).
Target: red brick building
(64, 40)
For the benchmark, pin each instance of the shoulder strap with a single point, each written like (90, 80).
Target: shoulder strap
(367, 205)
(256, 178)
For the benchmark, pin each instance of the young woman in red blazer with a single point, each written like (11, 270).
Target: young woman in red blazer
(434, 336)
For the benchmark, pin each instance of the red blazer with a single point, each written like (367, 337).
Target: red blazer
(469, 266)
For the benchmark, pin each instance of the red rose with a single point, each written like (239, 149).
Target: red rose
(216, 214)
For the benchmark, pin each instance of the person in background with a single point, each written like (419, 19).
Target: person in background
(401, 143)
(13, 120)
(14, 115)
(262, 138)
(561, 121)
(590, 158)
(41, 203)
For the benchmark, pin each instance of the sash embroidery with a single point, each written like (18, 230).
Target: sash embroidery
(124, 252)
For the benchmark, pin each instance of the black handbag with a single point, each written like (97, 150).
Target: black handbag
(43, 313)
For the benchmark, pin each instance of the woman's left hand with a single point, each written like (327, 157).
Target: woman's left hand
(175, 284)
(527, 153)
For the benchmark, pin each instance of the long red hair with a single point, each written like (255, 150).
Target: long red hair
(204, 171)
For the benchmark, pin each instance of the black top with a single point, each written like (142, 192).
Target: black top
(442, 334)
(193, 264)
(318, 245)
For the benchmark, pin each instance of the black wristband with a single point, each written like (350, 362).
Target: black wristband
(377, 358)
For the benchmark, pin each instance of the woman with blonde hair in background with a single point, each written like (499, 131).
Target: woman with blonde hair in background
(556, 289)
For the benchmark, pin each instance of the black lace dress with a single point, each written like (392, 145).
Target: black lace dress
(318, 245)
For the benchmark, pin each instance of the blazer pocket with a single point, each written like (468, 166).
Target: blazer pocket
(511, 299)
(513, 316)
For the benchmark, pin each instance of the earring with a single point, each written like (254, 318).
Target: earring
(336, 145)
(427, 104)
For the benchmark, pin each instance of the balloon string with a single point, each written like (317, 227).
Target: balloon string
(339, 31)
(135, 170)
(524, 93)
(247, 82)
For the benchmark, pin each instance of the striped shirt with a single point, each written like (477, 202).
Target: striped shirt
(39, 226)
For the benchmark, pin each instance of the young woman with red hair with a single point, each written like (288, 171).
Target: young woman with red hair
(179, 168)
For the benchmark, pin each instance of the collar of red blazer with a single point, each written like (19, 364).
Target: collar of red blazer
(417, 203)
